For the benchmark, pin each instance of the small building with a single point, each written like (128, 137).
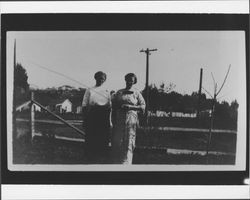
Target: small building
(186, 115)
(64, 106)
(79, 109)
(76, 103)
(26, 106)
(161, 113)
(206, 113)
(71, 103)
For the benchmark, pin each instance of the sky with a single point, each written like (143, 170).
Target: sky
(178, 59)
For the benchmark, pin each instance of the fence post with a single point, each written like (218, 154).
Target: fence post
(32, 117)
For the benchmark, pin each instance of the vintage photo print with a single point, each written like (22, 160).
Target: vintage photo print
(126, 100)
(157, 93)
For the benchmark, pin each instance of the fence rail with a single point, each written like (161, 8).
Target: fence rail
(32, 118)
(166, 128)
(59, 118)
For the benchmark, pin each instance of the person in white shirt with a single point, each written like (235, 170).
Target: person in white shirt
(127, 103)
(96, 106)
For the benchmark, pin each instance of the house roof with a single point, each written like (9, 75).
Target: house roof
(23, 105)
(57, 101)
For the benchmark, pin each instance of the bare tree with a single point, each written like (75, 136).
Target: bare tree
(216, 92)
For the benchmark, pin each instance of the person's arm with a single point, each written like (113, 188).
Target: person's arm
(139, 107)
(115, 105)
(141, 102)
(110, 109)
(85, 104)
(133, 107)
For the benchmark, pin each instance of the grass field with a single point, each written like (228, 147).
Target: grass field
(204, 122)
(151, 146)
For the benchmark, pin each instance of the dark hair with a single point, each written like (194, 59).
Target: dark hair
(100, 74)
(129, 75)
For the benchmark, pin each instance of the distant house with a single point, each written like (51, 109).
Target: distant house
(56, 101)
(159, 113)
(64, 106)
(207, 112)
(79, 109)
(181, 114)
(77, 104)
(26, 106)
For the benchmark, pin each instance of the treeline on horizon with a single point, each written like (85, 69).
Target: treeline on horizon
(164, 98)
(161, 98)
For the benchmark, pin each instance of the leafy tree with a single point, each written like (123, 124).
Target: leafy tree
(21, 85)
(234, 109)
(222, 110)
(234, 105)
(164, 98)
(174, 100)
(166, 88)
(158, 99)
(21, 78)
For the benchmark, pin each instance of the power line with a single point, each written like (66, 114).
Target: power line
(65, 76)
(58, 73)
(207, 92)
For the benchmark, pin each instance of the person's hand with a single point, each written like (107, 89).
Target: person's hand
(126, 106)
(110, 125)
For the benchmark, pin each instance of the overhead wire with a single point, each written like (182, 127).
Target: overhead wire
(65, 76)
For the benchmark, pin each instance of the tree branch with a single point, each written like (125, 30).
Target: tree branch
(207, 92)
(224, 80)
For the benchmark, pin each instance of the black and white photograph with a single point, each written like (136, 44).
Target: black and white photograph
(126, 100)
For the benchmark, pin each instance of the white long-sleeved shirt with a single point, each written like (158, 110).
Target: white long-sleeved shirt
(96, 96)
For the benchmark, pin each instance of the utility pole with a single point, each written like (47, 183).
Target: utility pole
(32, 118)
(147, 51)
(199, 95)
